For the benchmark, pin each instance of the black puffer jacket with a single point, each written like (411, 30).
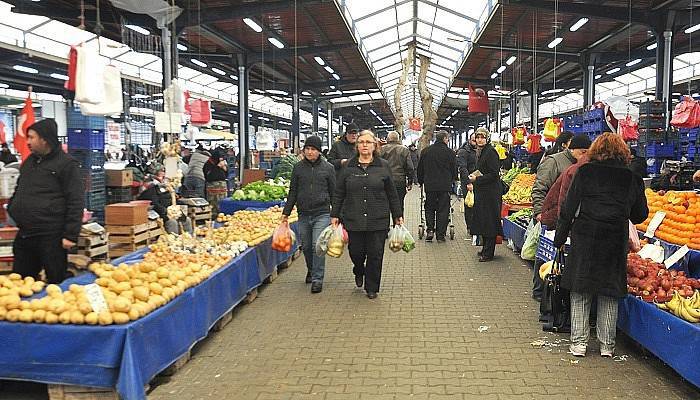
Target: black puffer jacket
(311, 188)
(364, 197)
(466, 164)
(342, 149)
(49, 197)
(437, 168)
(399, 158)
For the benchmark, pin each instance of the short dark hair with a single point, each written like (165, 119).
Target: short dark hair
(441, 135)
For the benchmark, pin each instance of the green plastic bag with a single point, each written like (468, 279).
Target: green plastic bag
(532, 238)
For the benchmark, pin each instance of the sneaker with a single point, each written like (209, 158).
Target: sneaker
(308, 277)
(429, 236)
(316, 287)
(359, 280)
(578, 349)
(607, 351)
(441, 240)
(372, 295)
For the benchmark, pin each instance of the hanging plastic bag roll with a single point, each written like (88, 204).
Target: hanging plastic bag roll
(89, 76)
(113, 102)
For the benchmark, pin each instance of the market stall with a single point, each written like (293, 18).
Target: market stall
(127, 356)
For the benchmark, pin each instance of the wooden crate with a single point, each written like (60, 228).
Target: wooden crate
(126, 214)
(94, 246)
(199, 215)
(127, 239)
(122, 249)
(69, 392)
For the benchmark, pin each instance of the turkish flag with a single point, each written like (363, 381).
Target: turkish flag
(478, 101)
(25, 120)
(3, 136)
(414, 124)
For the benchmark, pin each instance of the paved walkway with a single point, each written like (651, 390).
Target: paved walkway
(443, 327)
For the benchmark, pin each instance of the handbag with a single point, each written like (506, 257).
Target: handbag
(686, 114)
(555, 306)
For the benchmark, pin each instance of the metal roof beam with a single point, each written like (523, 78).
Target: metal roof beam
(291, 52)
(388, 8)
(562, 55)
(193, 17)
(449, 10)
(388, 28)
(598, 11)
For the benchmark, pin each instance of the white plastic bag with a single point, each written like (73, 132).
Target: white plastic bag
(89, 76)
(322, 243)
(395, 239)
(174, 98)
(532, 238)
(113, 97)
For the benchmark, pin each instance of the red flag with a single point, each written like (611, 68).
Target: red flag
(3, 138)
(25, 120)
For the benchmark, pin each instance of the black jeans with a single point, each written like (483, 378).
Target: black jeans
(437, 212)
(537, 282)
(32, 254)
(468, 212)
(367, 255)
(489, 246)
(401, 191)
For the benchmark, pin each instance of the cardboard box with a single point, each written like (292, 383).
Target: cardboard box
(253, 175)
(126, 214)
(119, 178)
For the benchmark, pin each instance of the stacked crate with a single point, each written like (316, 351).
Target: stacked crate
(119, 186)
(594, 123)
(128, 227)
(574, 124)
(655, 143)
(688, 144)
(86, 143)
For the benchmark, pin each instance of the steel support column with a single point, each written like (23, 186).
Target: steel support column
(243, 120)
(314, 116)
(296, 128)
(667, 74)
(513, 110)
(589, 86)
(329, 133)
(534, 109)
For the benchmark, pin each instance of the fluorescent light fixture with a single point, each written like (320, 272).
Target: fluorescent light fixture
(253, 25)
(59, 76)
(276, 42)
(598, 76)
(651, 46)
(336, 77)
(197, 62)
(581, 22)
(218, 71)
(305, 93)
(692, 29)
(319, 60)
(138, 29)
(181, 47)
(523, 93)
(332, 87)
(634, 62)
(497, 87)
(554, 42)
(275, 91)
(28, 70)
(140, 96)
(234, 77)
(612, 71)
(511, 60)
(358, 107)
(4, 85)
(329, 69)
(501, 69)
(494, 75)
(455, 112)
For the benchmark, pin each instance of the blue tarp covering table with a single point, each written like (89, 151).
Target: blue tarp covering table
(670, 338)
(268, 259)
(125, 357)
(515, 232)
(230, 206)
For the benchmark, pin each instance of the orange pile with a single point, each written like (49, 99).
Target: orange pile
(681, 225)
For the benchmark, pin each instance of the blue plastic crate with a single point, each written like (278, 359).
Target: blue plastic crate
(688, 134)
(595, 114)
(94, 180)
(86, 139)
(89, 159)
(95, 200)
(545, 247)
(660, 149)
(74, 119)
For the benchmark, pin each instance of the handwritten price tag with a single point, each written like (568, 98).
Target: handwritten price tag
(654, 224)
(96, 298)
(675, 257)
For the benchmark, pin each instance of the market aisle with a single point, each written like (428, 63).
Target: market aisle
(444, 326)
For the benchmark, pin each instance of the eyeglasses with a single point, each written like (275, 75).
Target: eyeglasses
(364, 142)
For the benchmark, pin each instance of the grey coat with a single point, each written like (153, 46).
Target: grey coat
(547, 173)
(399, 158)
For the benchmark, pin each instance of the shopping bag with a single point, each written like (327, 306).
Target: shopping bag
(627, 128)
(200, 112)
(113, 102)
(283, 238)
(686, 114)
(552, 129)
(174, 98)
(89, 76)
(337, 240)
(532, 237)
(555, 306)
(408, 242)
(395, 239)
(72, 65)
(533, 143)
(321, 246)
(469, 199)
(518, 134)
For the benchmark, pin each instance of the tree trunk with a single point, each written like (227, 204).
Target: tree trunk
(429, 114)
(406, 63)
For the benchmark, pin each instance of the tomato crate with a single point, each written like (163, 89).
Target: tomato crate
(86, 139)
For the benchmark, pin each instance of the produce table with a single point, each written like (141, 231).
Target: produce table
(690, 263)
(127, 357)
(514, 232)
(230, 206)
(670, 338)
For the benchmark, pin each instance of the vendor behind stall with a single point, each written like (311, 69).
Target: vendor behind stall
(157, 192)
(47, 206)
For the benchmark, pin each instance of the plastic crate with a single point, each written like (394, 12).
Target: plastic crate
(94, 179)
(652, 107)
(545, 247)
(688, 135)
(594, 115)
(74, 119)
(88, 159)
(86, 139)
(119, 195)
(651, 122)
(659, 150)
(652, 135)
(595, 126)
(95, 201)
(654, 169)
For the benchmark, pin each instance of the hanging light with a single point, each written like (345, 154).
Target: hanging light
(494, 75)
(329, 69)
(197, 62)
(276, 42)
(581, 22)
(181, 47)
(511, 60)
(692, 29)
(612, 71)
(138, 29)
(28, 70)
(252, 24)
(554, 42)
(59, 76)
(598, 76)
(319, 60)
(651, 46)
(218, 71)
(634, 62)
(501, 69)
(336, 77)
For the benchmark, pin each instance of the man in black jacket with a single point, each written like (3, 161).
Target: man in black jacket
(47, 206)
(311, 190)
(437, 170)
(344, 149)
(466, 164)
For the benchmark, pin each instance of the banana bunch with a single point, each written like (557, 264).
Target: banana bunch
(687, 309)
(520, 191)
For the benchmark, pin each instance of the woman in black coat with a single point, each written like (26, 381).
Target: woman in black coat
(603, 196)
(486, 220)
(364, 195)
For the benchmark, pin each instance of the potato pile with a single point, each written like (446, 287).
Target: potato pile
(252, 227)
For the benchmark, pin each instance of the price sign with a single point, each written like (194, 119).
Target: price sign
(675, 257)
(654, 224)
(96, 298)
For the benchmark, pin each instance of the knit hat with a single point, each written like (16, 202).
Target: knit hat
(580, 142)
(313, 141)
(47, 130)
(352, 127)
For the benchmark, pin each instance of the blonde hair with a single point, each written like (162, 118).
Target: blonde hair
(367, 132)
(482, 131)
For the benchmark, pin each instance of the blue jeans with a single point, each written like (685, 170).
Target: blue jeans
(310, 229)
(193, 187)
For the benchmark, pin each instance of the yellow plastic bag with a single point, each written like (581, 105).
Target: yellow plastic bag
(469, 199)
